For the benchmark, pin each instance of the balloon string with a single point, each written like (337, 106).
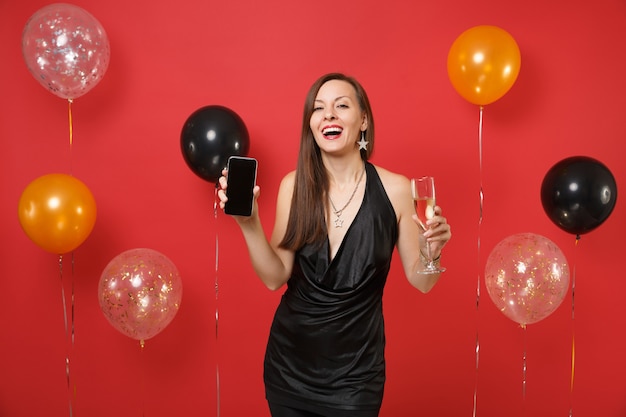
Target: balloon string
(67, 359)
(524, 367)
(72, 304)
(142, 345)
(217, 368)
(65, 321)
(571, 386)
(72, 322)
(480, 158)
(480, 220)
(71, 128)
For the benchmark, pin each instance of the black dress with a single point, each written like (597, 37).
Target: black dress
(326, 344)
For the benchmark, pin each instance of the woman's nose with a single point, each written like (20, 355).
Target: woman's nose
(330, 115)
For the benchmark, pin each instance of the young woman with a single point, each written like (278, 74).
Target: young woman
(338, 220)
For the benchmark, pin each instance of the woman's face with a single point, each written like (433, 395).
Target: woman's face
(337, 119)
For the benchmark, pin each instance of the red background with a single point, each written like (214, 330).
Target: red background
(259, 58)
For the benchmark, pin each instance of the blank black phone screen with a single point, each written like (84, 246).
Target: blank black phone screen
(241, 181)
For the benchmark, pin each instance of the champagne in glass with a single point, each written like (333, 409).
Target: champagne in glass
(423, 193)
(425, 209)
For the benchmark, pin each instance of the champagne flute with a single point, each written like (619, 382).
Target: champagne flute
(423, 192)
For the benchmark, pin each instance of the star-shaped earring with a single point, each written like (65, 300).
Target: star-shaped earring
(362, 143)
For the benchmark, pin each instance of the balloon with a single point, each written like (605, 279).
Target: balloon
(578, 194)
(209, 137)
(483, 64)
(65, 49)
(527, 277)
(57, 212)
(140, 291)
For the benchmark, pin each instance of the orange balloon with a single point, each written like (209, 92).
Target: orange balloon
(57, 212)
(483, 64)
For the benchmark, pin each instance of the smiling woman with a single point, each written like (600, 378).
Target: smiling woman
(325, 353)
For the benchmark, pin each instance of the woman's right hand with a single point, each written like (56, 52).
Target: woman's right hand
(221, 193)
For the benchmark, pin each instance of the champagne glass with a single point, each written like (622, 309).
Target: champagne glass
(423, 191)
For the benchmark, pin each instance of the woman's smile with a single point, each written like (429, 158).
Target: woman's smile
(332, 132)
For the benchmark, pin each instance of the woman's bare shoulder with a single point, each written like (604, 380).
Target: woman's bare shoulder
(392, 181)
(288, 180)
(285, 190)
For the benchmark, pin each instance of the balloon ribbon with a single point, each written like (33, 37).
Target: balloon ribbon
(69, 330)
(217, 367)
(524, 365)
(71, 128)
(69, 111)
(480, 221)
(142, 345)
(571, 386)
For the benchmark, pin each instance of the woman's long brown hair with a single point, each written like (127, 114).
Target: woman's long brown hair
(307, 217)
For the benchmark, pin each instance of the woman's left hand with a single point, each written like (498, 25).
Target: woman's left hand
(438, 232)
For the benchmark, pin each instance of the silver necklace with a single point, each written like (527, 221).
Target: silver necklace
(338, 213)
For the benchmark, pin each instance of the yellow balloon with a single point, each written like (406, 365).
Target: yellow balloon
(483, 64)
(57, 212)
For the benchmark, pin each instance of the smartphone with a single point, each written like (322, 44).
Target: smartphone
(241, 181)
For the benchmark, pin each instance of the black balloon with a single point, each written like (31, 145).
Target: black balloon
(578, 194)
(209, 137)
